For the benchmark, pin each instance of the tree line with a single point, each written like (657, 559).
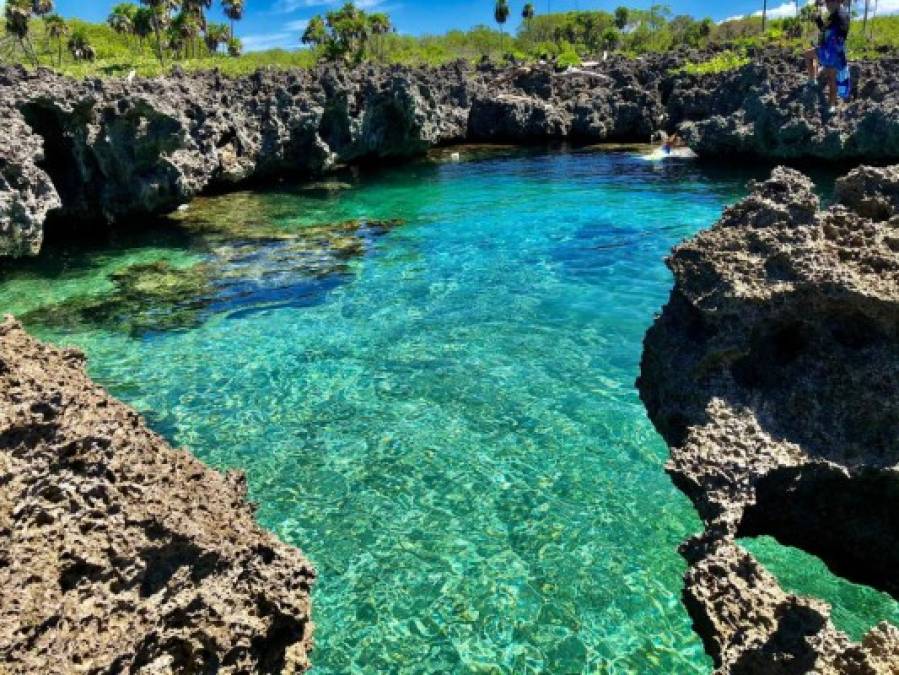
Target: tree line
(348, 33)
(631, 30)
(175, 28)
(179, 28)
(183, 29)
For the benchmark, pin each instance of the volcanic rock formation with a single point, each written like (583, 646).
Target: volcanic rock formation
(120, 554)
(773, 374)
(765, 110)
(110, 150)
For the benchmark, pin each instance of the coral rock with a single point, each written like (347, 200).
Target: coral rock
(119, 553)
(773, 373)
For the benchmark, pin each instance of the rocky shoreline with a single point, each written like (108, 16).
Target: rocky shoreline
(121, 554)
(773, 374)
(111, 151)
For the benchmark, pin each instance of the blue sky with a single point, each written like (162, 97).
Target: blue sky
(278, 23)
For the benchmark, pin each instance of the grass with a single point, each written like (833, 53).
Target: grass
(148, 65)
(883, 38)
(117, 54)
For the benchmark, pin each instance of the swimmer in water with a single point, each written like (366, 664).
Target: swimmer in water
(671, 143)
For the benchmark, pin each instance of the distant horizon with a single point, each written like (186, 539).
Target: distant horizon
(278, 24)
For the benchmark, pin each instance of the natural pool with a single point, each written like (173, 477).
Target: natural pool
(427, 374)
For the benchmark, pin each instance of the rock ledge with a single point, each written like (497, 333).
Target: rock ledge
(120, 554)
(773, 374)
(88, 152)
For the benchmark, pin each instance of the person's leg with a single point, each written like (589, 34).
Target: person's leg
(811, 63)
(831, 86)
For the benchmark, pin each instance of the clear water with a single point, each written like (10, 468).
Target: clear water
(856, 608)
(441, 413)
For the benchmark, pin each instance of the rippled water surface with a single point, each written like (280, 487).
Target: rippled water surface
(427, 374)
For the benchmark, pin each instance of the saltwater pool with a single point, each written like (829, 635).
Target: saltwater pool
(427, 374)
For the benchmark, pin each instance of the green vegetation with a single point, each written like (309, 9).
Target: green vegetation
(347, 34)
(720, 63)
(133, 37)
(150, 37)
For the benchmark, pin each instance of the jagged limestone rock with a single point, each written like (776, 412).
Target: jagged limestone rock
(106, 151)
(773, 374)
(119, 553)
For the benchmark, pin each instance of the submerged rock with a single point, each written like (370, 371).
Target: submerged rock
(121, 554)
(244, 254)
(144, 297)
(773, 374)
(83, 152)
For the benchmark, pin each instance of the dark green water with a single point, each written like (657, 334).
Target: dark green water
(427, 375)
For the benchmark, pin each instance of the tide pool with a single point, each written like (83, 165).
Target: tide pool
(427, 374)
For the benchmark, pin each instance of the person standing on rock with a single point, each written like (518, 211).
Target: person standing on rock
(831, 51)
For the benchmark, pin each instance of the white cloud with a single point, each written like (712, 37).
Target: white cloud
(789, 9)
(280, 40)
(299, 25)
(781, 11)
(288, 6)
(888, 7)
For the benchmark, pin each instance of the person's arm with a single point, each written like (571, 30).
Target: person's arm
(841, 24)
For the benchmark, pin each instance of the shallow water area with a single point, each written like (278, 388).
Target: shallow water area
(427, 374)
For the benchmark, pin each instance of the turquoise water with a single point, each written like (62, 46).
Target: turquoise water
(856, 608)
(438, 409)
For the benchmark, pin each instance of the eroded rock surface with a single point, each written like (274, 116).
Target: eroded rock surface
(773, 373)
(111, 151)
(768, 110)
(121, 554)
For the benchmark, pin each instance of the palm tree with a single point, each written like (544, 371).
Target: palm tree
(528, 14)
(42, 7)
(315, 33)
(216, 35)
(174, 41)
(160, 13)
(18, 18)
(501, 14)
(234, 12)
(865, 24)
(764, 15)
(348, 32)
(196, 10)
(610, 38)
(874, 16)
(56, 29)
(80, 48)
(185, 26)
(142, 25)
(121, 19)
(235, 47)
(379, 25)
